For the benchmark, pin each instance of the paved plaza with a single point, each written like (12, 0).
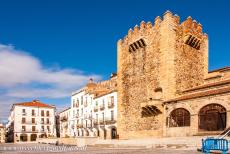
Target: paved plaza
(46, 148)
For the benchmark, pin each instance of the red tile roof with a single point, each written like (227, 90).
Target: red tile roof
(201, 94)
(221, 69)
(34, 103)
(218, 83)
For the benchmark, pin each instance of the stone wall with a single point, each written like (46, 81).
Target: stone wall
(155, 63)
(194, 106)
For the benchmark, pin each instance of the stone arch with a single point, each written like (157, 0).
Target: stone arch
(179, 117)
(212, 117)
(24, 137)
(186, 106)
(33, 137)
(113, 132)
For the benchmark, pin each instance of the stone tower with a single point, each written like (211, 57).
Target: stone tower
(156, 62)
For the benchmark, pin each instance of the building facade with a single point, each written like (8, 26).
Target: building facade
(31, 120)
(2, 133)
(93, 111)
(164, 87)
(64, 123)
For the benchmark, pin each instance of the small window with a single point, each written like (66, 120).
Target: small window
(33, 128)
(192, 41)
(23, 128)
(47, 113)
(33, 113)
(23, 120)
(112, 115)
(42, 113)
(33, 120)
(137, 45)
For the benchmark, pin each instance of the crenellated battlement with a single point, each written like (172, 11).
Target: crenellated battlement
(188, 27)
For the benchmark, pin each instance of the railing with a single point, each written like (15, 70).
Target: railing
(79, 125)
(88, 116)
(63, 119)
(95, 123)
(24, 113)
(110, 104)
(101, 122)
(214, 144)
(30, 130)
(109, 122)
(95, 108)
(102, 107)
(89, 125)
(29, 123)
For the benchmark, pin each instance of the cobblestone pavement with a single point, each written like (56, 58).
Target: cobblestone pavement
(45, 149)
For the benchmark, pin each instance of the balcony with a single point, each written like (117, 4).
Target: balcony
(95, 123)
(29, 131)
(65, 125)
(77, 116)
(102, 107)
(110, 121)
(89, 125)
(64, 119)
(101, 122)
(96, 109)
(24, 113)
(79, 126)
(110, 104)
(29, 123)
(85, 104)
(90, 117)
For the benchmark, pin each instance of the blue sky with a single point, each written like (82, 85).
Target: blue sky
(69, 41)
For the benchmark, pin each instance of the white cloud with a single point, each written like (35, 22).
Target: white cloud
(24, 76)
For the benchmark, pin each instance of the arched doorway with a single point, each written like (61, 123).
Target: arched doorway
(33, 137)
(212, 117)
(86, 133)
(113, 133)
(43, 136)
(105, 134)
(23, 137)
(179, 117)
(98, 133)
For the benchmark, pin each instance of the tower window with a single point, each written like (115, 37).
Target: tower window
(137, 45)
(192, 41)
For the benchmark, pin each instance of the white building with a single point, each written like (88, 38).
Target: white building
(105, 115)
(93, 110)
(64, 122)
(31, 120)
(2, 133)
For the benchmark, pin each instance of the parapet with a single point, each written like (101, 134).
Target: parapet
(189, 26)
